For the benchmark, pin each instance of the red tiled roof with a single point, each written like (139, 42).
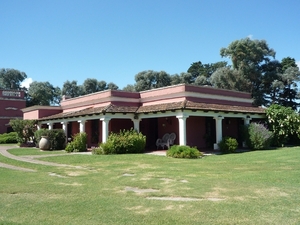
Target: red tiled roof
(224, 108)
(188, 105)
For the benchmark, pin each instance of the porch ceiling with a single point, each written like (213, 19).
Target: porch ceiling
(181, 105)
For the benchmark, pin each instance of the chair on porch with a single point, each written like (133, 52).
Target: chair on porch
(172, 138)
(167, 140)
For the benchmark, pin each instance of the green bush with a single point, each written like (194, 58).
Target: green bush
(25, 129)
(183, 151)
(284, 122)
(8, 138)
(126, 141)
(258, 136)
(78, 144)
(228, 145)
(56, 137)
(97, 151)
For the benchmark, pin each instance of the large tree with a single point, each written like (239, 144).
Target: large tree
(71, 89)
(248, 56)
(91, 86)
(43, 93)
(112, 86)
(11, 78)
(201, 73)
(280, 82)
(231, 79)
(289, 82)
(150, 79)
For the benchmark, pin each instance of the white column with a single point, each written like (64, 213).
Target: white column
(65, 127)
(81, 125)
(246, 122)
(182, 128)
(50, 126)
(136, 124)
(105, 123)
(38, 126)
(219, 135)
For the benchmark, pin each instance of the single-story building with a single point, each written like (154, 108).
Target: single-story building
(198, 115)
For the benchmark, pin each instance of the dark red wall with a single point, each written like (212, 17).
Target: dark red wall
(195, 131)
(120, 124)
(10, 108)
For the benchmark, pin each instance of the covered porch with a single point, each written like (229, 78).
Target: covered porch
(201, 126)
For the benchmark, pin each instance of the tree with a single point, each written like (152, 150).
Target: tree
(289, 78)
(70, 88)
(201, 73)
(230, 79)
(247, 54)
(112, 86)
(129, 87)
(11, 78)
(280, 82)
(43, 93)
(271, 82)
(176, 79)
(150, 79)
(247, 57)
(288, 62)
(91, 86)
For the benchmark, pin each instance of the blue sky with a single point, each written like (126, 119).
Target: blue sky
(113, 40)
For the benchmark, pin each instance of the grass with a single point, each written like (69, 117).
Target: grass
(260, 187)
(33, 151)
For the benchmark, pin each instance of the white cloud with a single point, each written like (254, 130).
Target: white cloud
(26, 82)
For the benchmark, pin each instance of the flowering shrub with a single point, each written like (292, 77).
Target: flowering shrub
(258, 136)
(228, 145)
(126, 141)
(284, 122)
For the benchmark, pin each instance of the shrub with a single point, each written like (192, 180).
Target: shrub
(126, 141)
(228, 145)
(78, 144)
(56, 137)
(97, 151)
(25, 129)
(8, 138)
(183, 151)
(258, 136)
(284, 122)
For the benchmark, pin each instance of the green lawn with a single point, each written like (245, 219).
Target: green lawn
(259, 187)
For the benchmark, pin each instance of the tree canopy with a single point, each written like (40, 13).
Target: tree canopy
(43, 93)
(255, 70)
(11, 78)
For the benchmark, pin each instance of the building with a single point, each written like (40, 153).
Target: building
(11, 103)
(199, 115)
